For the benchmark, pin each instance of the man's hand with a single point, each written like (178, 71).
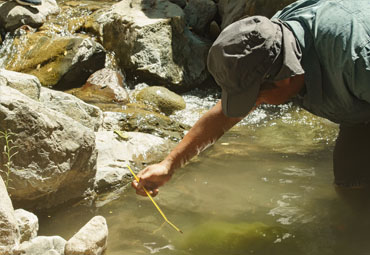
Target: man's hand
(152, 177)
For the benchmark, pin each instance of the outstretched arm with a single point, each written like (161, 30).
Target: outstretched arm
(206, 131)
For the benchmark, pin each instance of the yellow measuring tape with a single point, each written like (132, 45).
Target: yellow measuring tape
(159, 209)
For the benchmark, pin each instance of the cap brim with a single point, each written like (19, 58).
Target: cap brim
(241, 103)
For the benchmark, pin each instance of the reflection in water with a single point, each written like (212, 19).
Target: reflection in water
(256, 175)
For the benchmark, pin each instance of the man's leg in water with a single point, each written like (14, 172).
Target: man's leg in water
(352, 163)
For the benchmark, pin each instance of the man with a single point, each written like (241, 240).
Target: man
(315, 51)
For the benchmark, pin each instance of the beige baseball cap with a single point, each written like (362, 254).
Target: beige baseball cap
(246, 54)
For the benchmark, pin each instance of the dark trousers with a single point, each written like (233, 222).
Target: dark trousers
(352, 156)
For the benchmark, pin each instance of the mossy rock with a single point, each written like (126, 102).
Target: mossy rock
(217, 237)
(165, 100)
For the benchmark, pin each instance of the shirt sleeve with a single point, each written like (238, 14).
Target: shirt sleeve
(362, 74)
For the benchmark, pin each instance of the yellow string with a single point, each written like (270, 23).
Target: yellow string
(155, 204)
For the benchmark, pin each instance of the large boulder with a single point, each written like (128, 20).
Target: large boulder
(25, 83)
(88, 115)
(9, 231)
(13, 15)
(91, 239)
(152, 43)
(233, 10)
(161, 98)
(56, 159)
(59, 62)
(115, 153)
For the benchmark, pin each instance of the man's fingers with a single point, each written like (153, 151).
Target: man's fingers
(150, 187)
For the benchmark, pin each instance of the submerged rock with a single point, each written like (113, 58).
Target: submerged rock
(165, 100)
(59, 62)
(152, 43)
(56, 159)
(232, 11)
(91, 239)
(14, 15)
(216, 237)
(9, 232)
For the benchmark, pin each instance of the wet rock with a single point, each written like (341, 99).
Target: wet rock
(91, 239)
(42, 245)
(218, 237)
(232, 11)
(28, 224)
(88, 115)
(115, 153)
(103, 86)
(181, 3)
(165, 100)
(59, 62)
(152, 43)
(199, 14)
(9, 232)
(139, 120)
(56, 159)
(13, 15)
(25, 83)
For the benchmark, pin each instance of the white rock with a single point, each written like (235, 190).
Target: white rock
(91, 239)
(9, 232)
(28, 224)
(42, 245)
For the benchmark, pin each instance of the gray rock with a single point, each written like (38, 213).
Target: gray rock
(199, 14)
(42, 245)
(56, 159)
(28, 224)
(25, 83)
(152, 43)
(9, 232)
(233, 10)
(91, 239)
(88, 115)
(165, 100)
(114, 154)
(13, 15)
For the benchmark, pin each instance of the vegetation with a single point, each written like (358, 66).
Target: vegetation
(9, 152)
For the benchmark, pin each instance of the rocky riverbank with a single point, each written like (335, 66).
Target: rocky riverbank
(75, 74)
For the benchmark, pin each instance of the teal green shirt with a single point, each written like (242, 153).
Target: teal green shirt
(334, 36)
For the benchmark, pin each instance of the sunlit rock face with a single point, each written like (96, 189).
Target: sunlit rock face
(58, 62)
(152, 43)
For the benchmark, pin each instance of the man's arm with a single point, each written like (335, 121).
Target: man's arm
(206, 131)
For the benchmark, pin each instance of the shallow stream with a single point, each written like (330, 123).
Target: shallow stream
(274, 170)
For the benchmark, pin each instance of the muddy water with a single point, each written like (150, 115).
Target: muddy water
(273, 169)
